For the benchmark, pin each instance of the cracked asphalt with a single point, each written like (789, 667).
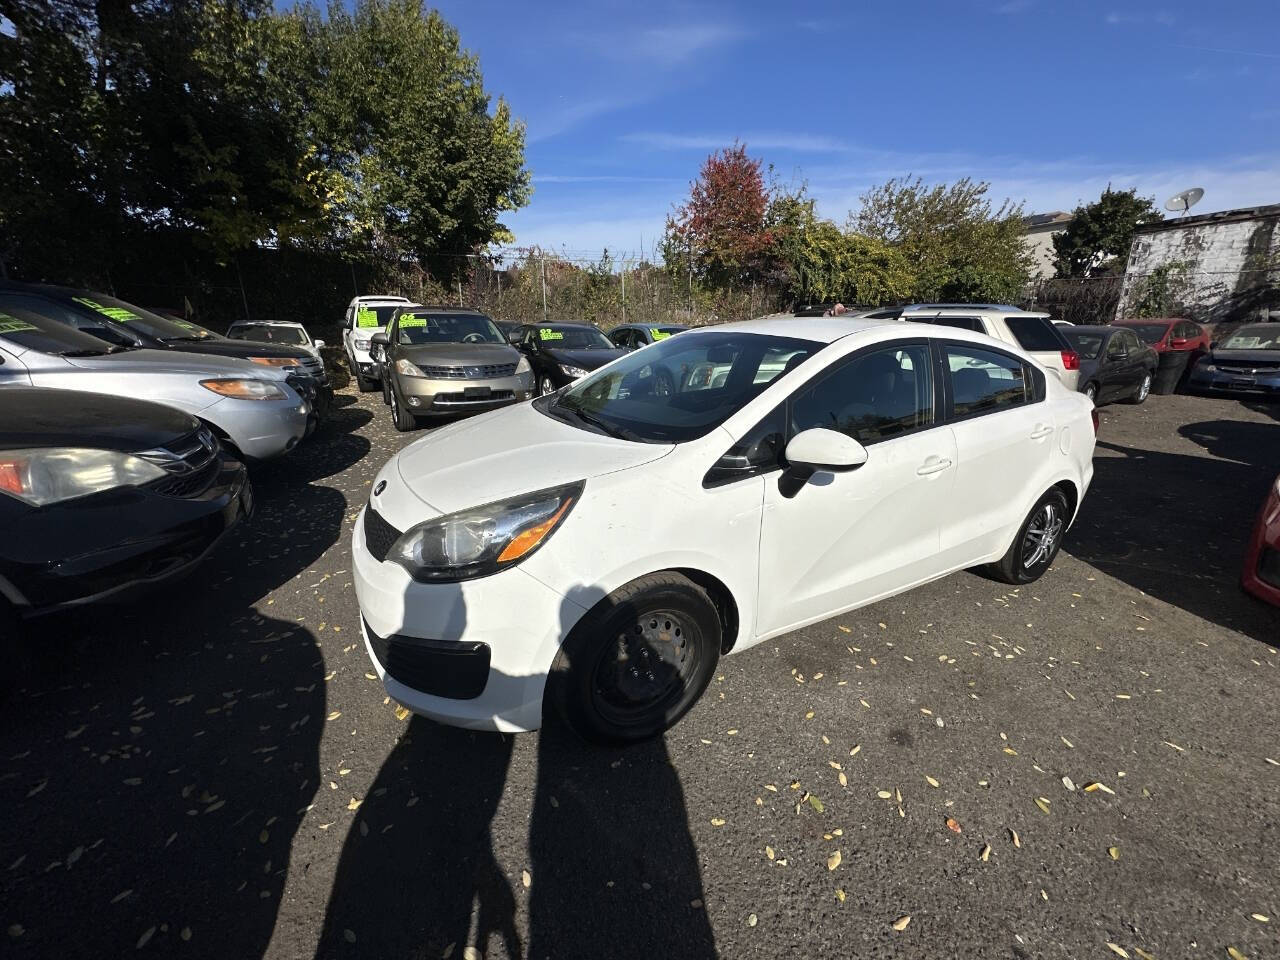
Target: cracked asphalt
(1088, 766)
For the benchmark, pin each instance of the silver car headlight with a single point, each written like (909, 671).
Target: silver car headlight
(523, 366)
(483, 540)
(572, 371)
(407, 369)
(240, 389)
(53, 474)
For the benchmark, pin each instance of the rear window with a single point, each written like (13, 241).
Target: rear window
(1036, 334)
(1151, 333)
(1087, 343)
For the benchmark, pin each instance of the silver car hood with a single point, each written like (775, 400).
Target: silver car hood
(176, 361)
(458, 354)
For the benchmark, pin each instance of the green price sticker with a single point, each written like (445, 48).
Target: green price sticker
(10, 324)
(118, 314)
(409, 320)
(657, 335)
(545, 334)
(366, 318)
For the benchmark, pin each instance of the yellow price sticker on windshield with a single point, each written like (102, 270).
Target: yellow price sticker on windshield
(545, 334)
(657, 335)
(409, 320)
(115, 313)
(366, 318)
(9, 324)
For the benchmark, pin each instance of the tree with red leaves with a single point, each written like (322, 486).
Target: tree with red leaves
(719, 233)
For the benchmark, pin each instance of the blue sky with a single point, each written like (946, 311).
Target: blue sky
(1047, 101)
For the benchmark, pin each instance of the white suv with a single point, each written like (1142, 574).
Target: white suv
(1033, 332)
(366, 316)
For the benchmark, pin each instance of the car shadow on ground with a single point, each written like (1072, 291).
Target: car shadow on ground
(612, 867)
(1176, 526)
(161, 755)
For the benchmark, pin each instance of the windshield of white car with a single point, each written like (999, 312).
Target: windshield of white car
(268, 333)
(679, 388)
(418, 328)
(1263, 336)
(573, 337)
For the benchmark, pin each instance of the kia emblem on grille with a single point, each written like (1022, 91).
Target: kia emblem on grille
(382, 485)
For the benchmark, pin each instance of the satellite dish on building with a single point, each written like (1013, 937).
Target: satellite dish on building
(1184, 201)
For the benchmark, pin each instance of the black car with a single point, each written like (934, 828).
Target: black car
(103, 495)
(125, 324)
(561, 353)
(1114, 363)
(633, 336)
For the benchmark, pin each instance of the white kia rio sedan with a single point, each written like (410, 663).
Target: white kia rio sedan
(597, 550)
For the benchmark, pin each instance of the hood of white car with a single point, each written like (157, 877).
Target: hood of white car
(510, 452)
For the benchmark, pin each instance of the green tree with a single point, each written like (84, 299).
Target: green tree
(1098, 237)
(848, 267)
(958, 246)
(401, 120)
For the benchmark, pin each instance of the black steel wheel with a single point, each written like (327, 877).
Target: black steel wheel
(636, 663)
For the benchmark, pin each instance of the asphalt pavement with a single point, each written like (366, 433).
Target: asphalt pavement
(1085, 767)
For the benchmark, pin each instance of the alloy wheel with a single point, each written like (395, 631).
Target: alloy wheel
(1145, 388)
(1042, 534)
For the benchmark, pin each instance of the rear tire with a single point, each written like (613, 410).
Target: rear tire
(1039, 538)
(636, 663)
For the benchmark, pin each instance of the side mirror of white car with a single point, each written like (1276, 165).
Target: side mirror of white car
(319, 344)
(819, 449)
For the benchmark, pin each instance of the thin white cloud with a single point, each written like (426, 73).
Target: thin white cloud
(562, 117)
(1234, 53)
(664, 46)
(1162, 17)
(600, 178)
(798, 142)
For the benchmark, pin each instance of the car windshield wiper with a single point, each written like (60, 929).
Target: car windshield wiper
(609, 429)
(84, 353)
(182, 339)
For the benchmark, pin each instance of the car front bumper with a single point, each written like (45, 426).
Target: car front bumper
(262, 429)
(488, 643)
(424, 397)
(1261, 575)
(1220, 381)
(116, 544)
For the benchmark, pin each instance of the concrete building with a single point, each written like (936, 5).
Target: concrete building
(1219, 267)
(1038, 231)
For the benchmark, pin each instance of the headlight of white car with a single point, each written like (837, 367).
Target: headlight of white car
(53, 474)
(361, 343)
(407, 369)
(523, 366)
(477, 542)
(571, 371)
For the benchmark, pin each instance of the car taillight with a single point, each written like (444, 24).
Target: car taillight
(1094, 413)
(1070, 360)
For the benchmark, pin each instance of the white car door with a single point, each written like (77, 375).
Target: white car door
(1004, 438)
(845, 539)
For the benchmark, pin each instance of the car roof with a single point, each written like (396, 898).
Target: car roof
(265, 323)
(821, 329)
(1126, 321)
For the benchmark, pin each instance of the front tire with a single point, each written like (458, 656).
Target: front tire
(1034, 548)
(402, 419)
(545, 386)
(363, 383)
(636, 663)
(386, 390)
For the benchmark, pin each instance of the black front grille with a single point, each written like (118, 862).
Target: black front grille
(441, 668)
(490, 371)
(190, 484)
(378, 534)
(493, 396)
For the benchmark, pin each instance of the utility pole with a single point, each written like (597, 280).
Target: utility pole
(543, 262)
(624, 291)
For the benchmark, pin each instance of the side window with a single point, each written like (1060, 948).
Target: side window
(984, 381)
(961, 323)
(875, 396)
(530, 337)
(1036, 334)
(758, 452)
(1116, 347)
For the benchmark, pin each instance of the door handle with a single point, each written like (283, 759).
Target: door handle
(932, 465)
(1041, 432)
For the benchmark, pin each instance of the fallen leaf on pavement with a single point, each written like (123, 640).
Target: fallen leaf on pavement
(1013, 835)
(985, 855)
(953, 825)
(1117, 950)
(1043, 804)
(833, 861)
(901, 923)
(1113, 853)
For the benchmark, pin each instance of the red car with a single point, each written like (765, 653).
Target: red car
(1169, 333)
(1262, 560)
